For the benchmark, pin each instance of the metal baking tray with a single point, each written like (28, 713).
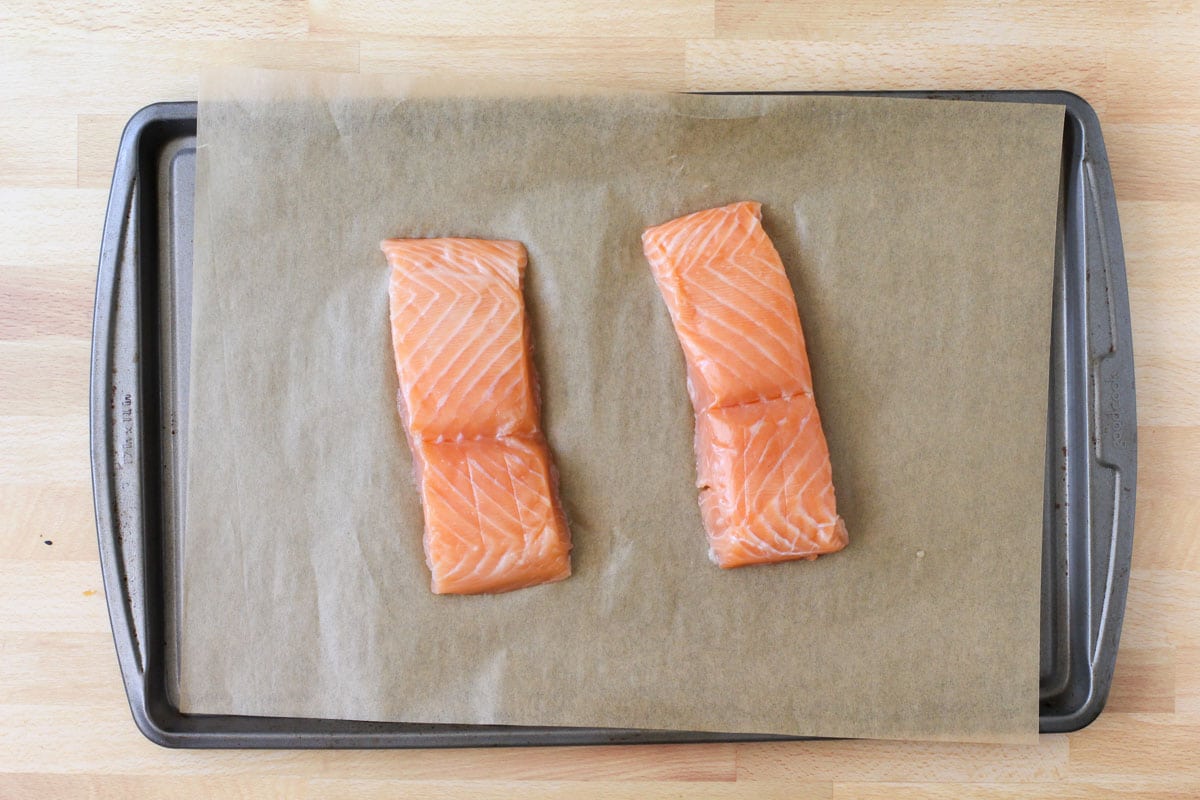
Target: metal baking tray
(139, 406)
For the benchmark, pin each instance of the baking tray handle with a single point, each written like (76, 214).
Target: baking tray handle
(115, 416)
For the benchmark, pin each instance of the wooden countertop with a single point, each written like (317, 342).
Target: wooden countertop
(72, 73)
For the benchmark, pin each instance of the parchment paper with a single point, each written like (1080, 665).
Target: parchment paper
(918, 236)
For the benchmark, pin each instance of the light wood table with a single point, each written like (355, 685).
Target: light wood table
(72, 73)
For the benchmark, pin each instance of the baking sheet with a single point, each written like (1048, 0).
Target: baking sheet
(919, 238)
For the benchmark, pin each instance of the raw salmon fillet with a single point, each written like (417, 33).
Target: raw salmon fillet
(762, 465)
(468, 400)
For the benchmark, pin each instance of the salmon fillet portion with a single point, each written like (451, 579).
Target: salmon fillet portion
(763, 471)
(491, 520)
(458, 330)
(731, 304)
(766, 486)
(468, 400)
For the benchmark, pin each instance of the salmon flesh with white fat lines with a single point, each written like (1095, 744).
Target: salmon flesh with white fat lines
(762, 464)
(468, 400)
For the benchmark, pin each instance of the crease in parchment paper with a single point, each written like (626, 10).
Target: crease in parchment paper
(918, 236)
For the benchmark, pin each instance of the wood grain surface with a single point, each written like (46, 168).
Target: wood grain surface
(71, 74)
